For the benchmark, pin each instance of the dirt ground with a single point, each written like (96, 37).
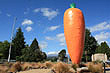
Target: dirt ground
(42, 71)
(37, 71)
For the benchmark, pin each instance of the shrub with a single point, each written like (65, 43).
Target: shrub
(75, 66)
(16, 67)
(48, 64)
(95, 68)
(61, 68)
(3, 68)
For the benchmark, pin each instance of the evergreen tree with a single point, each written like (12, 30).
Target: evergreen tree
(62, 55)
(44, 56)
(103, 48)
(33, 53)
(89, 46)
(4, 49)
(1, 46)
(18, 44)
(34, 45)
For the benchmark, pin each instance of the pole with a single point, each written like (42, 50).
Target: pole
(104, 68)
(11, 39)
(104, 64)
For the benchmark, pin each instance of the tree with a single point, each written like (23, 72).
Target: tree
(18, 44)
(103, 48)
(62, 55)
(33, 53)
(25, 55)
(44, 56)
(89, 46)
(34, 45)
(4, 49)
(1, 46)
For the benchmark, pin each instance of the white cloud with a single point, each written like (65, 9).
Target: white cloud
(102, 36)
(8, 15)
(50, 14)
(37, 10)
(28, 29)
(49, 38)
(62, 44)
(27, 22)
(53, 53)
(50, 53)
(61, 38)
(52, 28)
(100, 26)
(43, 45)
(60, 35)
(47, 12)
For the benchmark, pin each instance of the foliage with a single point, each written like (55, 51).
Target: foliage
(48, 64)
(52, 59)
(34, 45)
(18, 44)
(20, 51)
(4, 48)
(44, 56)
(103, 48)
(89, 46)
(61, 68)
(95, 68)
(33, 53)
(75, 66)
(62, 55)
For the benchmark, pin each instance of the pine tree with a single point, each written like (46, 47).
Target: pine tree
(62, 55)
(89, 46)
(103, 48)
(4, 49)
(33, 53)
(34, 45)
(18, 44)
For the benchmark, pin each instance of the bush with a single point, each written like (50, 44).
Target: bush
(75, 66)
(25, 66)
(16, 67)
(3, 68)
(48, 64)
(95, 68)
(61, 68)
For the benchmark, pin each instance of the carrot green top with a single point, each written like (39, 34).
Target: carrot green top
(72, 5)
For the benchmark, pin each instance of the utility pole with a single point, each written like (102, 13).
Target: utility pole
(11, 38)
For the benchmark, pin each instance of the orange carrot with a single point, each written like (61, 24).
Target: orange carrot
(74, 30)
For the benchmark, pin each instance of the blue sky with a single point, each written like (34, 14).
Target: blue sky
(43, 19)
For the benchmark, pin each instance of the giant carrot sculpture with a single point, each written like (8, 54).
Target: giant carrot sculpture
(74, 30)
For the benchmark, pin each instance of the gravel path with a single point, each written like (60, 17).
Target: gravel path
(37, 71)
